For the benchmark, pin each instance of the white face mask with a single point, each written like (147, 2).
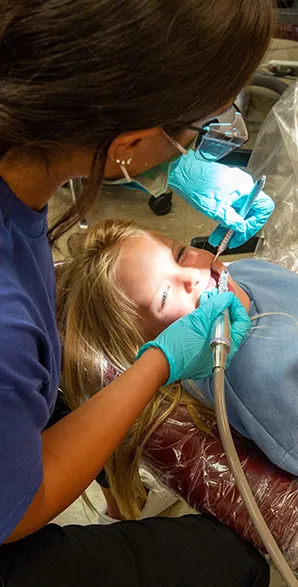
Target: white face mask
(154, 180)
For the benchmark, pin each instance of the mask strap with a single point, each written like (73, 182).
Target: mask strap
(179, 147)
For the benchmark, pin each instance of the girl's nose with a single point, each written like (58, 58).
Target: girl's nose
(191, 278)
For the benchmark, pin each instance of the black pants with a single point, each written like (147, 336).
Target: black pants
(191, 551)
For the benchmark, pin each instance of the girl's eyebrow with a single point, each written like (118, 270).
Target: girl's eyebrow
(172, 248)
(164, 299)
(155, 294)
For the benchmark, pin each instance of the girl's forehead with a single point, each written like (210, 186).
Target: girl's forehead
(143, 263)
(160, 237)
(144, 255)
(153, 242)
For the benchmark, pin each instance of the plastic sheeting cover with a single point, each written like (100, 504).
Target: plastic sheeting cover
(193, 464)
(276, 155)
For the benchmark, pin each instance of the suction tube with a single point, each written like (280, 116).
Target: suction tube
(220, 345)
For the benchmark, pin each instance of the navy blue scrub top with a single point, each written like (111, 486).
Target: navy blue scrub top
(29, 353)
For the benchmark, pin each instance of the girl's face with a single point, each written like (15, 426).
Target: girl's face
(166, 279)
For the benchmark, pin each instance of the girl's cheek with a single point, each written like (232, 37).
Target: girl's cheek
(163, 322)
(160, 322)
(177, 313)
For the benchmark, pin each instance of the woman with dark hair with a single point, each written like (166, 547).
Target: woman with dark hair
(93, 88)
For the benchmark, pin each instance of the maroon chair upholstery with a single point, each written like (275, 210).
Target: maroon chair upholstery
(193, 464)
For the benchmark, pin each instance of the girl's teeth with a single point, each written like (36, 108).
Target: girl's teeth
(211, 284)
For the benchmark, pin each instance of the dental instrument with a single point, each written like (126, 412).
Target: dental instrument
(256, 190)
(220, 345)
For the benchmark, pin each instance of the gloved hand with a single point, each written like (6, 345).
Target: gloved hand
(185, 343)
(218, 191)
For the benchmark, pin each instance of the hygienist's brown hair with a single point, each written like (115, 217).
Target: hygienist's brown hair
(81, 72)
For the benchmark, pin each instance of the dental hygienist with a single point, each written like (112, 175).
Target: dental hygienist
(96, 88)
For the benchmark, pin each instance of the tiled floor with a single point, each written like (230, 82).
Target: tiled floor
(79, 513)
(183, 223)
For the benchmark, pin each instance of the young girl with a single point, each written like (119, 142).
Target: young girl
(124, 285)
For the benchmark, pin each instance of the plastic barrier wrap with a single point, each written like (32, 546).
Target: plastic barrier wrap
(193, 465)
(276, 155)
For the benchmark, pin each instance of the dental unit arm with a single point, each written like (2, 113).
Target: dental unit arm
(220, 346)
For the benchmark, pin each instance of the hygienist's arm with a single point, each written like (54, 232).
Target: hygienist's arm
(76, 448)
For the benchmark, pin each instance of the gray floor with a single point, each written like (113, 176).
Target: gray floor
(182, 222)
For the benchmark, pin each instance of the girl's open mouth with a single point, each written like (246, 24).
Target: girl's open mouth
(213, 281)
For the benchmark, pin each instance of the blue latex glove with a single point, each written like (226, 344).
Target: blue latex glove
(185, 343)
(218, 191)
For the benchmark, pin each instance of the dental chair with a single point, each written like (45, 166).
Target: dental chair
(193, 464)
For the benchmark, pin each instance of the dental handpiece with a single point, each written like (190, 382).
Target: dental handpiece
(220, 343)
(256, 190)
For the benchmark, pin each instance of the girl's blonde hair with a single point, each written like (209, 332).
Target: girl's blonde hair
(96, 319)
(100, 331)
